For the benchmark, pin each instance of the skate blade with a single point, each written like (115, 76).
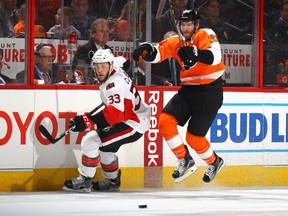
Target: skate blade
(85, 190)
(107, 190)
(189, 172)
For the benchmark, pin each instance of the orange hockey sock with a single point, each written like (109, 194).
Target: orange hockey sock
(180, 151)
(202, 147)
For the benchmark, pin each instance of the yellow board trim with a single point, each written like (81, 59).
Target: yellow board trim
(133, 178)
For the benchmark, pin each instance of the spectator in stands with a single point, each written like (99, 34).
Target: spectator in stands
(44, 9)
(3, 79)
(281, 27)
(98, 40)
(271, 15)
(6, 17)
(43, 66)
(278, 49)
(166, 22)
(19, 28)
(81, 19)
(123, 28)
(239, 16)
(211, 18)
(62, 32)
(166, 73)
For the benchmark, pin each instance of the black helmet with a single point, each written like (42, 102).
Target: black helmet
(190, 15)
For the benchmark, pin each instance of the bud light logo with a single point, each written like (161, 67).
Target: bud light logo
(249, 127)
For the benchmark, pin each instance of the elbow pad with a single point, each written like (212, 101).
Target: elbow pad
(205, 56)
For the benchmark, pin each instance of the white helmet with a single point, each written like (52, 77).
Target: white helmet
(102, 55)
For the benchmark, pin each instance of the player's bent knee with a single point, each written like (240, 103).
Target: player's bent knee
(164, 120)
(167, 125)
(90, 142)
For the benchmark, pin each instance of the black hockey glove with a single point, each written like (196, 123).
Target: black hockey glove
(188, 53)
(78, 123)
(146, 50)
(191, 55)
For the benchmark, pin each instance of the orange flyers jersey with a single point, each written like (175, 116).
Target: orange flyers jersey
(200, 73)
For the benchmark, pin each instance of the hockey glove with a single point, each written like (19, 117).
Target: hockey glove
(146, 50)
(80, 122)
(189, 56)
(188, 53)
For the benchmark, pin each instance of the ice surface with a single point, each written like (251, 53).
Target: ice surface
(200, 202)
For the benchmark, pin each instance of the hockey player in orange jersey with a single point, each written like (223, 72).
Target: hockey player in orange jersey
(199, 98)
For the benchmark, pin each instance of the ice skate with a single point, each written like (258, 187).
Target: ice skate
(79, 184)
(108, 185)
(213, 170)
(185, 168)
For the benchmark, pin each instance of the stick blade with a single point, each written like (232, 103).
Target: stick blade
(46, 134)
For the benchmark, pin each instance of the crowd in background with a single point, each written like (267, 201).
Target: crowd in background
(232, 20)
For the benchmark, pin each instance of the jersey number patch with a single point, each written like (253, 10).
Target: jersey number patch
(117, 99)
(213, 38)
(114, 98)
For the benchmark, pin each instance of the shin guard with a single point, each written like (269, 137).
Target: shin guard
(168, 128)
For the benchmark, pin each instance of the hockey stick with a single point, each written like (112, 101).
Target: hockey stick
(48, 136)
(175, 25)
(181, 39)
(182, 44)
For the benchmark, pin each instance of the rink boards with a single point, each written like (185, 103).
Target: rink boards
(250, 133)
